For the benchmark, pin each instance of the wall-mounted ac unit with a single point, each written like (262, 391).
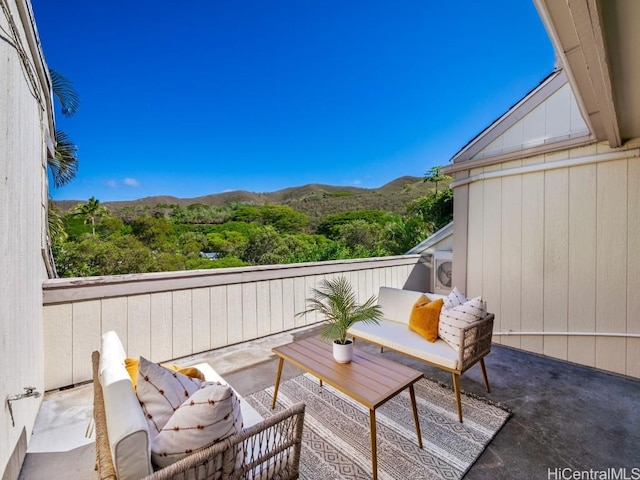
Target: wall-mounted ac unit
(442, 272)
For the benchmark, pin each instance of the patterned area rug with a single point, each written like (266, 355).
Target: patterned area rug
(336, 442)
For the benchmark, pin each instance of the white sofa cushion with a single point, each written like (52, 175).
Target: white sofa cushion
(397, 336)
(111, 351)
(209, 415)
(161, 391)
(127, 428)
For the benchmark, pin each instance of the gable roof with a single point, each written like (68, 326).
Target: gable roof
(546, 118)
(597, 44)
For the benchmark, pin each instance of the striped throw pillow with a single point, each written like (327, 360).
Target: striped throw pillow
(454, 299)
(460, 316)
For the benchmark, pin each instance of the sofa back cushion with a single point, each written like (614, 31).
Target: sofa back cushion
(397, 304)
(126, 426)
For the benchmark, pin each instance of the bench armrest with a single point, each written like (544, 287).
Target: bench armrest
(475, 341)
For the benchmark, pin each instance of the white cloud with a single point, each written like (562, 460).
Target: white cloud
(131, 182)
(356, 182)
(112, 184)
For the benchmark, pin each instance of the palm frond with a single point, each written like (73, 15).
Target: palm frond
(64, 164)
(56, 225)
(65, 93)
(337, 302)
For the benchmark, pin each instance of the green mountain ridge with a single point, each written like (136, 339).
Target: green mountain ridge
(312, 199)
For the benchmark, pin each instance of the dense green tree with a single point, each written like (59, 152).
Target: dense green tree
(283, 218)
(330, 225)
(360, 233)
(91, 211)
(435, 208)
(151, 231)
(405, 233)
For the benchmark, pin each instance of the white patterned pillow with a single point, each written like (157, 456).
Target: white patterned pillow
(160, 392)
(453, 319)
(454, 299)
(209, 415)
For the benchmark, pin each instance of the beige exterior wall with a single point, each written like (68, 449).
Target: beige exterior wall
(25, 110)
(164, 316)
(552, 242)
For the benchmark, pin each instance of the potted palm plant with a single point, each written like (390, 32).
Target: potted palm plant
(336, 301)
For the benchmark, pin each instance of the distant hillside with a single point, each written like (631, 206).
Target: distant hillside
(315, 200)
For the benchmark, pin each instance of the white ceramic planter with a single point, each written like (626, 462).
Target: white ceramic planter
(343, 353)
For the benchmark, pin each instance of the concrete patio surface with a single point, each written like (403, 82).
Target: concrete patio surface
(566, 418)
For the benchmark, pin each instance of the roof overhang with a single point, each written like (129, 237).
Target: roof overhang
(596, 42)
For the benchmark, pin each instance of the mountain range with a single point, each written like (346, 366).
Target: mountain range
(313, 199)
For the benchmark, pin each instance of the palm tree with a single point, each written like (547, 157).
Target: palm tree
(434, 175)
(64, 164)
(92, 210)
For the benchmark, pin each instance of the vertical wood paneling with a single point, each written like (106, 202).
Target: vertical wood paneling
(511, 262)
(276, 306)
(556, 274)
(460, 237)
(582, 272)
(532, 309)
(161, 326)
(300, 294)
(219, 316)
(183, 327)
(114, 317)
(249, 314)
(474, 244)
(234, 313)
(611, 301)
(633, 267)
(491, 249)
(139, 326)
(86, 338)
(58, 346)
(288, 304)
(263, 312)
(201, 305)
(558, 114)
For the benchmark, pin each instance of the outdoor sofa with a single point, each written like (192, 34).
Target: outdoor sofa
(392, 332)
(260, 449)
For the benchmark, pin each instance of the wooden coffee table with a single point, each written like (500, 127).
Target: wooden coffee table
(369, 379)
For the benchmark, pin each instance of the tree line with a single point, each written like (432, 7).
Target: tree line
(93, 240)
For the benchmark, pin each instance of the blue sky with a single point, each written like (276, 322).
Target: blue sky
(188, 99)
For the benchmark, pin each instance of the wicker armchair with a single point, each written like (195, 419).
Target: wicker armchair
(271, 448)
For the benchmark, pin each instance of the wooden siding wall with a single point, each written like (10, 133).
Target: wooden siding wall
(172, 315)
(23, 132)
(558, 250)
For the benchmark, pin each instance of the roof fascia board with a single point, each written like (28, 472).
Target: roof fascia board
(534, 98)
(522, 153)
(575, 30)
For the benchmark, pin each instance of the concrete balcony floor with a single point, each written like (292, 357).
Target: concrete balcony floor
(565, 416)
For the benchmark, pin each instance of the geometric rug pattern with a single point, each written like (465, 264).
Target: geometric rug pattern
(336, 442)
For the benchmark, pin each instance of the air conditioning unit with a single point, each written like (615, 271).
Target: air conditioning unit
(442, 272)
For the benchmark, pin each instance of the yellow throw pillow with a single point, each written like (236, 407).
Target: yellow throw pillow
(132, 365)
(424, 318)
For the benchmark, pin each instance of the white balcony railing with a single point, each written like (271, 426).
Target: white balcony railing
(168, 315)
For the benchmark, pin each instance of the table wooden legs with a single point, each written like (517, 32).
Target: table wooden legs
(412, 394)
(372, 423)
(374, 448)
(275, 391)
